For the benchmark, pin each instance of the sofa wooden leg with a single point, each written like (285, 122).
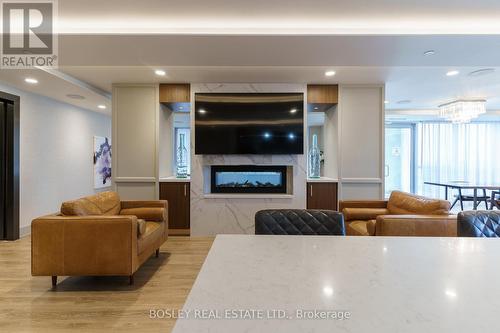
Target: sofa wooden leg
(131, 279)
(54, 280)
(157, 253)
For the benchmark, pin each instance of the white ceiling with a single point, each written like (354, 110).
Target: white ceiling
(364, 41)
(57, 88)
(279, 16)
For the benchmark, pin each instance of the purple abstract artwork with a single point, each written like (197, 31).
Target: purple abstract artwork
(102, 162)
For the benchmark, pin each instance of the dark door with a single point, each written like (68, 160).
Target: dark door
(177, 195)
(9, 166)
(322, 196)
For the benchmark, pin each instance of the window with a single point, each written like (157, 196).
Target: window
(399, 158)
(451, 152)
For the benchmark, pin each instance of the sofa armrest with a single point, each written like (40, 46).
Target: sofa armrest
(125, 204)
(83, 245)
(362, 204)
(153, 210)
(416, 225)
(351, 214)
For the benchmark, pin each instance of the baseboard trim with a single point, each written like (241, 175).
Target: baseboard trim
(25, 231)
(179, 232)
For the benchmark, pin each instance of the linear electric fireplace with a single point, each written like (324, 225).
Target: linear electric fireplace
(248, 179)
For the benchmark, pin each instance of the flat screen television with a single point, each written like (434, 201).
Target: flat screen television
(249, 123)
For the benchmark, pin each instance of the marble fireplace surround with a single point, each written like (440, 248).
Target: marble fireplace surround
(226, 214)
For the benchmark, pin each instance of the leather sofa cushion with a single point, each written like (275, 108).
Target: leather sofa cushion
(351, 214)
(401, 203)
(141, 227)
(153, 232)
(156, 214)
(104, 203)
(361, 228)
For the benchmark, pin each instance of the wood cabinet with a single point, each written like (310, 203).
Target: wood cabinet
(177, 195)
(175, 93)
(322, 196)
(321, 97)
(176, 96)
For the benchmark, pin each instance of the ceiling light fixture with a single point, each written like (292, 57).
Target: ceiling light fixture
(101, 106)
(31, 80)
(75, 96)
(481, 72)
(329, 73)
(160, 72)
(452, 73)
(429, 53)
(462, 111)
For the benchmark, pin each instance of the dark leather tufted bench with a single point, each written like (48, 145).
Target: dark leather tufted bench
(478, 224)
(299, 222)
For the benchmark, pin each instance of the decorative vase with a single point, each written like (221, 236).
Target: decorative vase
(314, 158)
(182, 167)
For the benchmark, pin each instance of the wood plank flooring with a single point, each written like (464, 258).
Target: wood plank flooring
(97, 304)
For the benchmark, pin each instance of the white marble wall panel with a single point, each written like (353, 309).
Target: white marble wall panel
(211, 216)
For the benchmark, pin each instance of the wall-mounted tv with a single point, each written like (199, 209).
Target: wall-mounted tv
(249, 123)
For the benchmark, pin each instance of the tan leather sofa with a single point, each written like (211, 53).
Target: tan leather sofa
(404, 214)
(98, 235)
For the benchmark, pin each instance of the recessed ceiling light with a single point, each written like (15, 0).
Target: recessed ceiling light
(452, 73)
(481, 72)
(429, 53)
(31, 80)
(75, 96)
(329, 73)
(404, 101)
(101, 106)
(160, 72)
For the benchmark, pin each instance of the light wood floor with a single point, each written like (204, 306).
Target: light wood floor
(97, 304)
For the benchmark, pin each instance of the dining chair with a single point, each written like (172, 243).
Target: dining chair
(299, 222)
(476, 223)
(461, 197)
(495, 200)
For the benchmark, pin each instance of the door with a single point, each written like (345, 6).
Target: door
(177, 195)
(322, 196)
(9, 166)
(399, 158)
(3, 119)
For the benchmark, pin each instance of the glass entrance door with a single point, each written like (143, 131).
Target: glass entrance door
(399, 158)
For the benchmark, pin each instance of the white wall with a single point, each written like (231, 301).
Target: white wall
(56, 153)
(361, 141)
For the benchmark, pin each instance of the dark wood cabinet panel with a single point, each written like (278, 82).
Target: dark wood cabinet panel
(177, 195)
(322, 196)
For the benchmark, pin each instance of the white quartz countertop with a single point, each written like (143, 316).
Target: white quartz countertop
(322, 180)
(386, 284)
(174, 179)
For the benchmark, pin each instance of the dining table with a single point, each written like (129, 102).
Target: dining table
(260, 283)
(461, 185)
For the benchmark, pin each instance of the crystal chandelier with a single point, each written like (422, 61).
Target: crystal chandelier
(462, 111)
